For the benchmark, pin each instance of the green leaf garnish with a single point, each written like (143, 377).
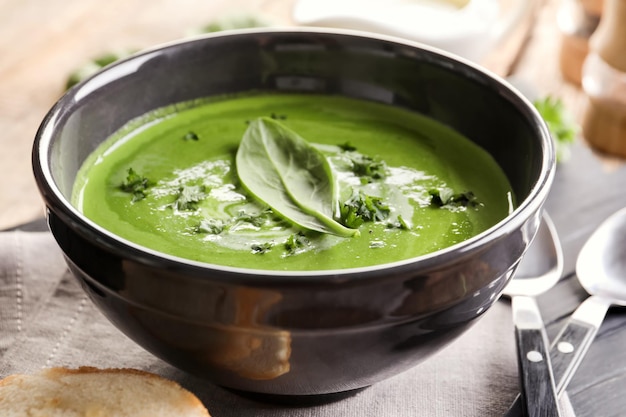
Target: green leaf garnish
(361, 208)
(561, 124)
(296, 242)
(257, 220)
(442, 197)
(261, 248)
(285, 172)
(368, 168)
(217, 226)
(399, 223)
(136, 185)
(211, 226)
(189, 196)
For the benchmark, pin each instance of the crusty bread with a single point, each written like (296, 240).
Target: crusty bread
(93, 392)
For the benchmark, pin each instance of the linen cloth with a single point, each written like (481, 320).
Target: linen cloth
(46, 320)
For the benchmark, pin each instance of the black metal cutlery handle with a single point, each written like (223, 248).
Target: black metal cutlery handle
(538, 389)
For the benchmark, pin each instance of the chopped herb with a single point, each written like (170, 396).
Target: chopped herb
(261, 248)
(136, 185)
(400, 223)
(362, 208)
(441, 197)
(257, 220)
(216, 226)
(560, 122)
(295, 242)
(368, 168)
(350, 217)
(347, 147)
(211, 226)
(191, 136)
(189, 196)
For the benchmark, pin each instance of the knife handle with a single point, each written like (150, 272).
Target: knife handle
(538, 390)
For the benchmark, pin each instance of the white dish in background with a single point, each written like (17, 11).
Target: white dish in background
(467, 28)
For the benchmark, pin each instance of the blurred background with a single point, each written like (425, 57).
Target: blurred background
(540, 45)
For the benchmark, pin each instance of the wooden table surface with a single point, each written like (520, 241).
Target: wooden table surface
(42, 42)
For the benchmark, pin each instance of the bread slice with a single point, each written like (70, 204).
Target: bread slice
(93, 392)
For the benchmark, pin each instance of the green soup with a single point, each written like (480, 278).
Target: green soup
(168, 181)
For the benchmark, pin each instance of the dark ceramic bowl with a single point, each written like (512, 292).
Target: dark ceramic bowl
(300, 333)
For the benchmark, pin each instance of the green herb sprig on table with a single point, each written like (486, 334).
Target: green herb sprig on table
(94, 65)
(560, 122)
(91, 67)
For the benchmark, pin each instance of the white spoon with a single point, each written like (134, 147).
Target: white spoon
(601, 270)
(540, 268)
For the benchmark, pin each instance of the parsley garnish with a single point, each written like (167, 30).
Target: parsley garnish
(257, 220)
(361, 208)
(211, 226)
(217, 226)
(295, 242)
(400, 223)
(189, 196)
(441, 197)
(136, 185)
(261, 248)
(368, 168)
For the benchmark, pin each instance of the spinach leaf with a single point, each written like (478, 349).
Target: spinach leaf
(284, 171)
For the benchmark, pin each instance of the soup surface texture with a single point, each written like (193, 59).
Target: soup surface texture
(409, 185)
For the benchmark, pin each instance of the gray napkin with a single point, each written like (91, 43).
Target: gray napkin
(46, 320)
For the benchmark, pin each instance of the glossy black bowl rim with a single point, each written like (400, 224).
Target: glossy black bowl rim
(526, 209)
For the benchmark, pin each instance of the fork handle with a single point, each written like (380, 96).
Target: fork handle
(573, 341)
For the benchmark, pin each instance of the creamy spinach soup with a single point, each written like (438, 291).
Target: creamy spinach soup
(291, 182)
